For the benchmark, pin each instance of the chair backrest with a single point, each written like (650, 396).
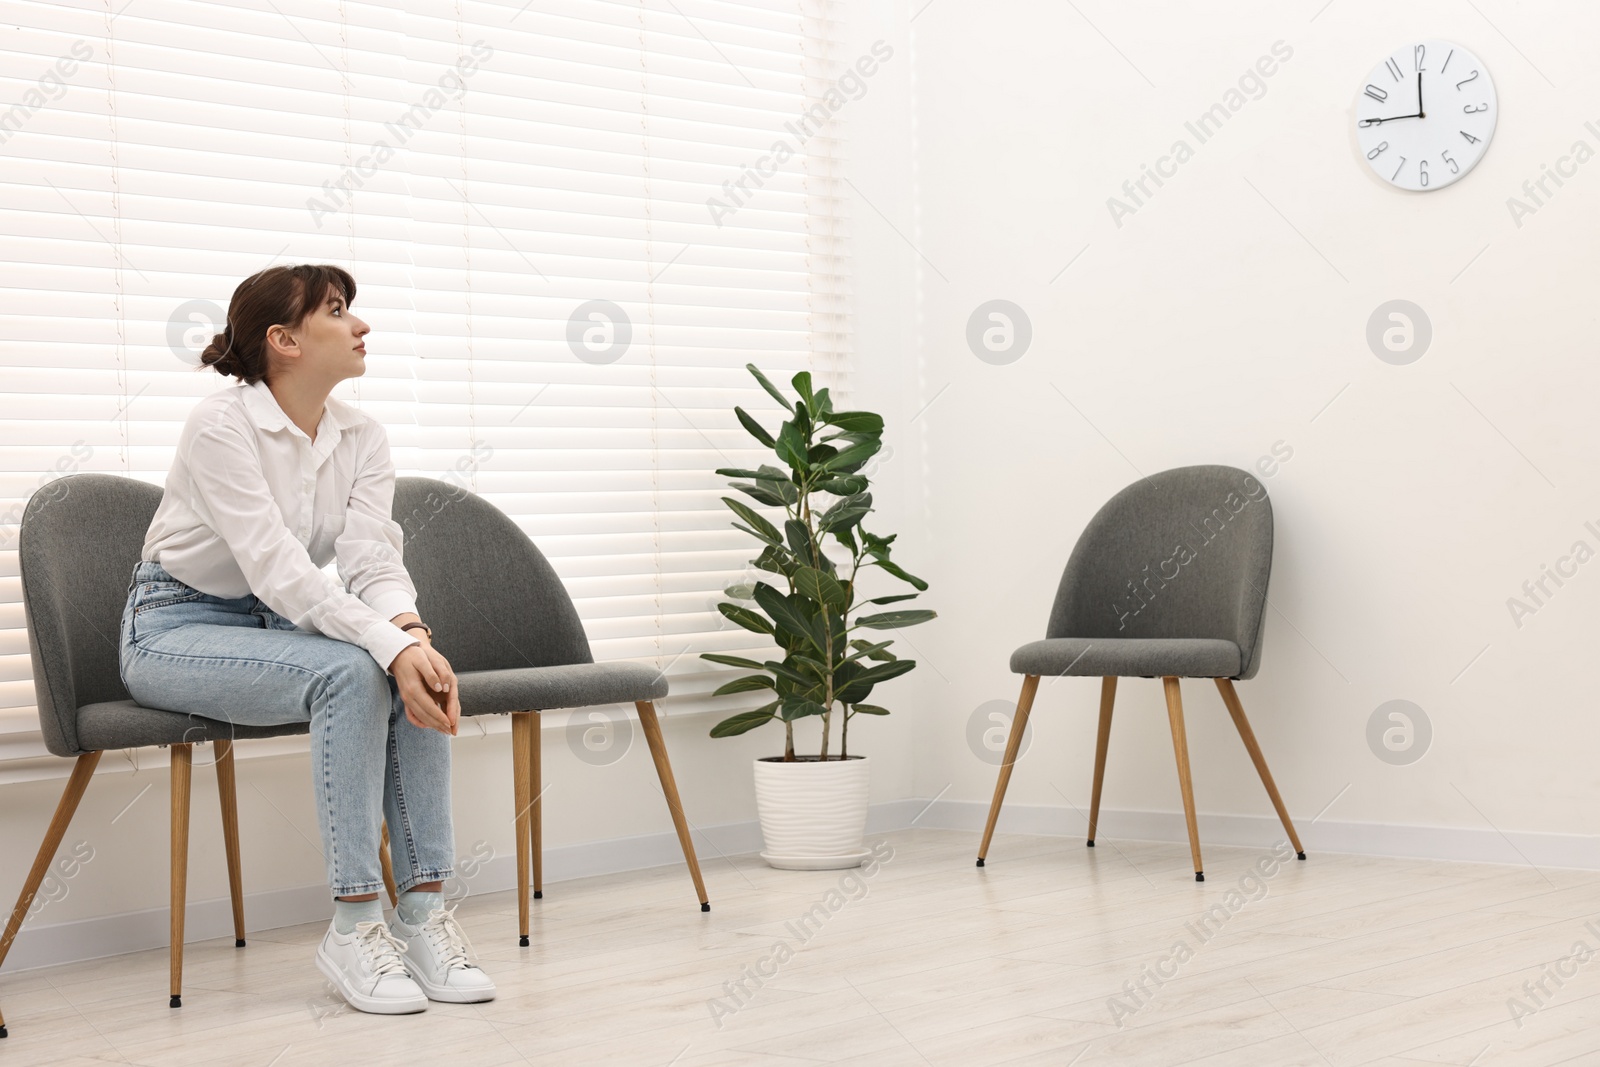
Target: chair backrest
(1183, 553)
(492, 599)
(80, 538)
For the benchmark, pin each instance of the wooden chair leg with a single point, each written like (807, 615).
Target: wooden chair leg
(536, 814)
(1019, 724)
(1180, 746)
(227, 792)
(1236, 709)
(66, 807)
(669, 788)
(387, 863)
(182, 766)
(1108, 693)
(522, 785)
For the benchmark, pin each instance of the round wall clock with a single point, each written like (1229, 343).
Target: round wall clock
(1426, 114)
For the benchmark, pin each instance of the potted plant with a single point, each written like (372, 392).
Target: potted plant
(813, 809)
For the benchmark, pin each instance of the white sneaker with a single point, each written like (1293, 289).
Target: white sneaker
(436, 954)
(369, 971)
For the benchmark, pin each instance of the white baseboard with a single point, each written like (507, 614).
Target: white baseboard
(112, 935)
(1466, 845)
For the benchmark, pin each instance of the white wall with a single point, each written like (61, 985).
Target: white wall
(1221, 318)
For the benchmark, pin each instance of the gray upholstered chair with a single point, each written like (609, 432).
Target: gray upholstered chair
(80, 538)
(499, 612)
(1169, 581)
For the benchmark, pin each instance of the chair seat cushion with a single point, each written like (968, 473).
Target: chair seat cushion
(1124, 657)
(575, 685)
(126, 724)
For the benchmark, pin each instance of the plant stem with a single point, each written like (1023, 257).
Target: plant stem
(844, 734)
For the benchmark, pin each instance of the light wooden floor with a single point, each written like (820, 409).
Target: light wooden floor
(1340, 960)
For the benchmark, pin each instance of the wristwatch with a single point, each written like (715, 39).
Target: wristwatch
(424, 627)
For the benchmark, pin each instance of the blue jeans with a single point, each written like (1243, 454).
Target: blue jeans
(238, 661)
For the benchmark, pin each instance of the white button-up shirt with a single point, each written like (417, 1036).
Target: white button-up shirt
(253, 506)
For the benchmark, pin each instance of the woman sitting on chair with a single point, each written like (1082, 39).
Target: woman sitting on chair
(230, 616)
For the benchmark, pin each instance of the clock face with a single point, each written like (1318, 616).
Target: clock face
(1425, 115)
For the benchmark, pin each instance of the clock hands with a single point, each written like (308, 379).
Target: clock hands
(1364, 123)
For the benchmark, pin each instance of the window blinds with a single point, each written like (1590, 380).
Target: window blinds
(567, 223)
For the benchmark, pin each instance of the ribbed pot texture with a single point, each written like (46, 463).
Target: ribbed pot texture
(813, 815)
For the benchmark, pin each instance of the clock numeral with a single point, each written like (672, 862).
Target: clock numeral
(1417, 55)
(1470, 139)
(1469, 109)
(1398, 169)
(1376, 152)
(1393, 68)
(1423, 166)
(1380, 95)
(1447, 62)
(1454, 168)
(1464, 81)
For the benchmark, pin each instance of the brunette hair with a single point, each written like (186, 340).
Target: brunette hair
(275, 296)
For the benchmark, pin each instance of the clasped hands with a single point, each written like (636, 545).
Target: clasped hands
(428, 686)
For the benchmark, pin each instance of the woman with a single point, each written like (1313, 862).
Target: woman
(230, 616)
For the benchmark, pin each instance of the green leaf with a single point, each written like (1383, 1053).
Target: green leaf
(791, 447)
(847, 539)
(756, 430)
(799, 708)
(820, 587)
(802, 385)
(868, 709)
(760, 492)
(799, 540)
(745, 721)
(750, 620)
(809, 681)
(892, 599)
(761, 527)
(856, 421)
(738, 472)
(787, 615)
(882, 672)
(873, 651)
(846, 513)
(890, 620)
(822, 405)
(842, 485)
(731, 661)
(896, 570)
(851, 459)
(769, 387)
(744, 685)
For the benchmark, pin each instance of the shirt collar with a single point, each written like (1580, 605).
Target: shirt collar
(267, 414)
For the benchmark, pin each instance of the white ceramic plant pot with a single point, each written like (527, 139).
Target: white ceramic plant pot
(813, 815)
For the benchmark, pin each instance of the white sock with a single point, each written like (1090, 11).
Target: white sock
(346, 913)
(414, 906)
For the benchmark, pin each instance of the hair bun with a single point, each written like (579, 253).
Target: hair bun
(219, 355)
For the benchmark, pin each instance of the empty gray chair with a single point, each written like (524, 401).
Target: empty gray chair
(501, 616)
(1168, 580)
(80, 538)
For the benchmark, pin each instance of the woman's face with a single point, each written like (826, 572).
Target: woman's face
(330, 342)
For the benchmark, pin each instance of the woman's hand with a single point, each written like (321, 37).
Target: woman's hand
(428, 687)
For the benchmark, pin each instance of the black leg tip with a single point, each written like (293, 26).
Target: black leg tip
(705, 905)
(238, 942)
(523, 942)
(175, 1002)
(3, 1032)
(1199, 876)
(1091, 842)
(538, 894)
(1299, 855)
(980, 861)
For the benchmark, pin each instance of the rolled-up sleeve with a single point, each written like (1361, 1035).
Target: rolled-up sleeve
(234, 499)
(368, 550)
